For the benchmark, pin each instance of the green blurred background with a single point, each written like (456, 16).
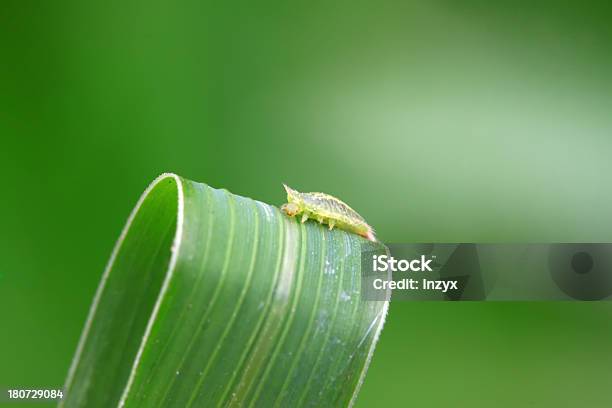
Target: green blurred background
(439, 121)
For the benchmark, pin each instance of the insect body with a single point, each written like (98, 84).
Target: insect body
(327, 210)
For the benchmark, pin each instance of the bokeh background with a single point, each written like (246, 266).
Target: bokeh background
(440, 121)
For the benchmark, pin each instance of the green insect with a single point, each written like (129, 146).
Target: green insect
(327, 210)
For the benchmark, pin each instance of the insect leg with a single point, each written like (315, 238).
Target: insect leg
(331, 224)
(304, 217)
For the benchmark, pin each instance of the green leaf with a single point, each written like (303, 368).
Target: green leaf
(212, 299)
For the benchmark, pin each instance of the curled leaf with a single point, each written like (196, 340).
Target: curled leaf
(212, 299)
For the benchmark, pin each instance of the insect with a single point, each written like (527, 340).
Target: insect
(327, 210)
